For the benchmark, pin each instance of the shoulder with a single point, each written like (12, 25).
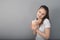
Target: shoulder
(46, 20)
(47, 23)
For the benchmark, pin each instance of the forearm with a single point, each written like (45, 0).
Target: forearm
(42, 34)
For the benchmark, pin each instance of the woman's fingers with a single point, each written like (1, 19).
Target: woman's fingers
(34, 25)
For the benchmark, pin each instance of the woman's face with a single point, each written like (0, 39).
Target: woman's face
(41, 13)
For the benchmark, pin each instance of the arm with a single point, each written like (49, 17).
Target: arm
(46, 34)
(33, 26)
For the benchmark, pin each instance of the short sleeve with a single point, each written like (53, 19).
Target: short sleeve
(47, 23)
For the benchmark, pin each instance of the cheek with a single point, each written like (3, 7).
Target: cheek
(37, 14)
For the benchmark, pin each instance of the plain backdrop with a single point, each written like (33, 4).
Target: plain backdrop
(16, 17)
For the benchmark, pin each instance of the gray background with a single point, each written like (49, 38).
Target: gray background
(16, 17)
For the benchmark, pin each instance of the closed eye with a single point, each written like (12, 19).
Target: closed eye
(39, 12)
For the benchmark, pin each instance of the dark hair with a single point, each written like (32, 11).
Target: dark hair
(47, 13)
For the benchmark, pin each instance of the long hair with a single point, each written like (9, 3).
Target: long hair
(47, 13)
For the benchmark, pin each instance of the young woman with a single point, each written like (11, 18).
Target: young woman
(41, 25)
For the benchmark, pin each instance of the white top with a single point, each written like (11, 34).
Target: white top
(46, 24)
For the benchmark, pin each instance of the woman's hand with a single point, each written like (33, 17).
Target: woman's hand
(34, 28)
(33, 25)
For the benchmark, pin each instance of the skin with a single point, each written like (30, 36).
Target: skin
(40, 15)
